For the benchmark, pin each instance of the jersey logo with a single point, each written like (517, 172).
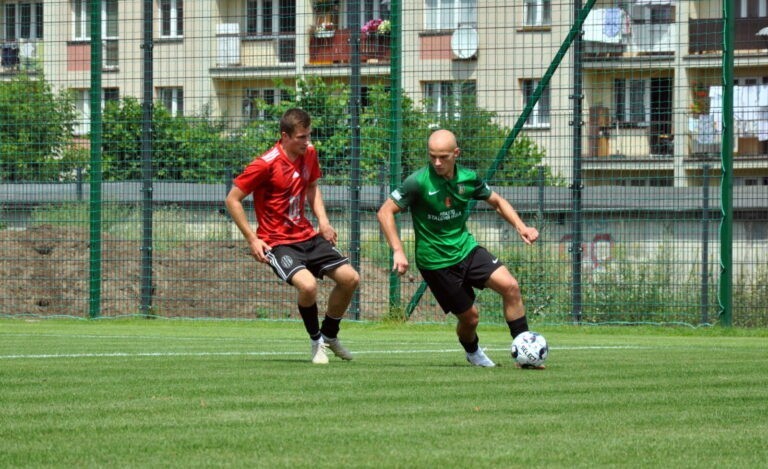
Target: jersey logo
(295, 174)
(433, 192)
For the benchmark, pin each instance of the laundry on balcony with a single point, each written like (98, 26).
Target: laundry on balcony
(606, 25)
(750, 113)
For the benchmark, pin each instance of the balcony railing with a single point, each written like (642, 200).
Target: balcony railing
(335, 48)
(707, 35)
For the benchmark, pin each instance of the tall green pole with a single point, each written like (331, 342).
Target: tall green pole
(395, 125)
(726, 185)
(355, 98)
(146, 160)
(95, 175)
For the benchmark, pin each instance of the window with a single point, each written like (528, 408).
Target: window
(81, 15)
(448, 98)
(172, 99)
(449, 14)
(632, 101)
(171, 18)
(82, 99)
(373, 9)
(537, 13)
(23, 21)
(539, 116)
(257, 101)
(260, 17)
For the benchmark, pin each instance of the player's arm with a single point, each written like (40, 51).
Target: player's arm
(386, 216)
(234, 202)
(315, 199)
(527, 233)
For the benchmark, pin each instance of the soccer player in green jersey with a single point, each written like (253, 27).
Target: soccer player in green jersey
(449, 258)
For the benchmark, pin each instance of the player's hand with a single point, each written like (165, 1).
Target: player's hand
(327, 232)
(529, 234)
(259, 250)
(400, 262)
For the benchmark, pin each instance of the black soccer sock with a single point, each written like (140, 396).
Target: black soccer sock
(330, 327)
(518, 326)
(471, 347)
(311, 323)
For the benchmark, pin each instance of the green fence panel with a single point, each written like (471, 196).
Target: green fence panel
(632, 134)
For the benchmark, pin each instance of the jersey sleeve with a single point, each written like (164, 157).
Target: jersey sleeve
(404, 195)
(482, 190)
(254, 175)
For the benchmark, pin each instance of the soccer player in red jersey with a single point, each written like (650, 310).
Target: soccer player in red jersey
(281, 181)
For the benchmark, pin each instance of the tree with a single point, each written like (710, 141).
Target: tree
(35, 129)
(183, 148)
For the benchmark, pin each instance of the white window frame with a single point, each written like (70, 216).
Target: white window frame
(172, 98)
(270, 96)
(630, 110)
(372, 9)
(256, 23)
(82, 98)
(541, 112)
(81, 28)
(444, 98)
(33, 24)
(537, 13)
(174, 19)
(440, 15)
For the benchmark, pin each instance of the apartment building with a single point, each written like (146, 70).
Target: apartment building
(650, 69)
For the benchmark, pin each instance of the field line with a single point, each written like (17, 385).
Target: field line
(273, 353)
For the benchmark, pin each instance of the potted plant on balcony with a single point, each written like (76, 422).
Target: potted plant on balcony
(375, 34)
(324, 29)
(699, 99)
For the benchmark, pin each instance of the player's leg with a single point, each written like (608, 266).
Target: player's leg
(466, 330)
(306, 285)
(346, 281)
(503, 283)
(455, 296)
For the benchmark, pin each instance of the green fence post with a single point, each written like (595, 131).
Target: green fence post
(94, 298)
(726, 186)
(396, 127)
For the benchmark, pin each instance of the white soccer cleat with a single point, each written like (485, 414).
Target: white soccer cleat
(479, 358)
(337, 348)
(319, 357)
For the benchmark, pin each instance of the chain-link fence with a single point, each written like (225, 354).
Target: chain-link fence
(632, 134)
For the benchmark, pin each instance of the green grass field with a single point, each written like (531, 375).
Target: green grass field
(140, 393)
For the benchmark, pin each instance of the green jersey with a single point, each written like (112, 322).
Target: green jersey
(440, 209)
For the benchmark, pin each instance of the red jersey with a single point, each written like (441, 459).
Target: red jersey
(279, 188)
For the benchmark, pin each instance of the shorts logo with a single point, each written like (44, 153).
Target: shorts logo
(286, 261)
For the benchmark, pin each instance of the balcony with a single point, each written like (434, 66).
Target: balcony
(334, 48)
(707, 35)
(23, 55)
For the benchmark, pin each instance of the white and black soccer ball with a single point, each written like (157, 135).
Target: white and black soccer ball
(530, 349)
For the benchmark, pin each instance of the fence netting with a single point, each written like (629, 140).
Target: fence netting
(632, 133)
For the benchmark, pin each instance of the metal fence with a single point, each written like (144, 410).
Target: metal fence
(632, 134)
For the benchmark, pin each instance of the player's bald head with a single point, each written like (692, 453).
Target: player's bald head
(442, 140)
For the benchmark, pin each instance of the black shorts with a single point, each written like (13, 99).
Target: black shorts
(316, 255)
(453, 287)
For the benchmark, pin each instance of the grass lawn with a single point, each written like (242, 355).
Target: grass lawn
(167, 393)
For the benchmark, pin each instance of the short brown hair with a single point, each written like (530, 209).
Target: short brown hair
(294, 117)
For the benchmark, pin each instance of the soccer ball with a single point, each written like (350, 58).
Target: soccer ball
(530, 349)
